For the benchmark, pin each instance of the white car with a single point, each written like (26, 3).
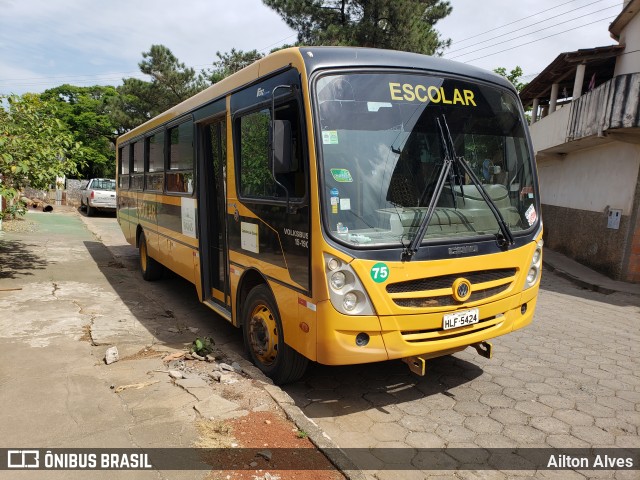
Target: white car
(99, 194)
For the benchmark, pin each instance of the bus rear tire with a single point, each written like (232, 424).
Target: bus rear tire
(151, 269)
(264, 339)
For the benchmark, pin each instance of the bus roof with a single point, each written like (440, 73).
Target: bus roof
(315, 59)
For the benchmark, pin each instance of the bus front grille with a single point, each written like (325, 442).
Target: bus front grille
(438, 291)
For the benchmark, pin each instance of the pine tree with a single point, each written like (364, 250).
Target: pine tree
(399, 25)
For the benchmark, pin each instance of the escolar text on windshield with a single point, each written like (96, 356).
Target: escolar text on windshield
(431, 93)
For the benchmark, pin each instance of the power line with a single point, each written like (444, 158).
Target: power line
(525, 18)
(530, 33)
(539, 39)
(526, 34)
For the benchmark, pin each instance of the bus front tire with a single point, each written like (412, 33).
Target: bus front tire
(150, 268)
(264, 339)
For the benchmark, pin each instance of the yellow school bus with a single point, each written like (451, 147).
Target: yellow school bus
(342, 206)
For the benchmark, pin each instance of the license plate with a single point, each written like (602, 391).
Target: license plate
(460, 319)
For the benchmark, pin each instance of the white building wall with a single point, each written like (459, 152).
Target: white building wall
(551, 130)
(629, 60)
(591, 179)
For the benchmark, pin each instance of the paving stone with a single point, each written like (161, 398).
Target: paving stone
(483, 425)
(556, 402)
(378, 415)
(492, 440)
(616, 426)
(497, 400)
(565, 441)
(394, 453)
(523, 435)
(628, 441)
(446, 417)
(455, 433)
(356, 422)
(388, 432)
(508, 416)
(631, 417)
(542, 388)
(534, 408)
(520, 394)
(573, 417)
(508, 381)
(615, 404)
(592, 435)
(595, 409)
(469, 408)
(415, 423)
(214, 406)
(549, 425)
(424, 440)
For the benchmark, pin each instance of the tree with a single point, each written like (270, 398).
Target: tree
(171, 83)
(173, 80)
(86, 111)
(229, 63)
(513, 76)
(35, 146)
(400, 25)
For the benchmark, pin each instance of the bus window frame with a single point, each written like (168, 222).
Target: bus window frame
(147, 154)
(121, 148)
(137, 174)
(167, 156)
(293, 97)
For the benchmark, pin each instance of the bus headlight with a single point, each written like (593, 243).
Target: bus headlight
(338, 280)
(350, 301)
(346, 291)
(535, 267)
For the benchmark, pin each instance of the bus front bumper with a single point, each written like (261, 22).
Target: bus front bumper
(401, 336)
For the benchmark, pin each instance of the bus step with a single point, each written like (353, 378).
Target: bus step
(484, 349)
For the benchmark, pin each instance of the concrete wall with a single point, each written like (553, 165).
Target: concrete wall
(551, 130)
(591, 179)
(577, 192)
(629, 61)
(73, 187)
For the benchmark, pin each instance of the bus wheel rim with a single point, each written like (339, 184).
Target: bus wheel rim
(263, 335)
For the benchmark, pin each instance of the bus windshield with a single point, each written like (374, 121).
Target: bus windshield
(383, 150)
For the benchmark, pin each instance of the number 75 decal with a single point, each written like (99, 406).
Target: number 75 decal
(379, 272)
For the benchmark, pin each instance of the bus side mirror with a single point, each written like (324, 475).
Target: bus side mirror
(282, 161)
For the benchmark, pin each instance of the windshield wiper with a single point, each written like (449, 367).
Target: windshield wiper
(506, 237)
(442, 177)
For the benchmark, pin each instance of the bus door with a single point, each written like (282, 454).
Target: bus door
(212, 211)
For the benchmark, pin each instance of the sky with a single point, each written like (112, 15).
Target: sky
(46, 43)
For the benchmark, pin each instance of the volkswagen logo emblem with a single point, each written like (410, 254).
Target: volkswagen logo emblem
(461, 289)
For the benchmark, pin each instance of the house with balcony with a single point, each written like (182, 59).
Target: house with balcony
(585, 127)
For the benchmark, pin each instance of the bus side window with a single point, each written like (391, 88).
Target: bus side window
(295, 181)
(123, 175)
(179, 176)
(256, 178)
